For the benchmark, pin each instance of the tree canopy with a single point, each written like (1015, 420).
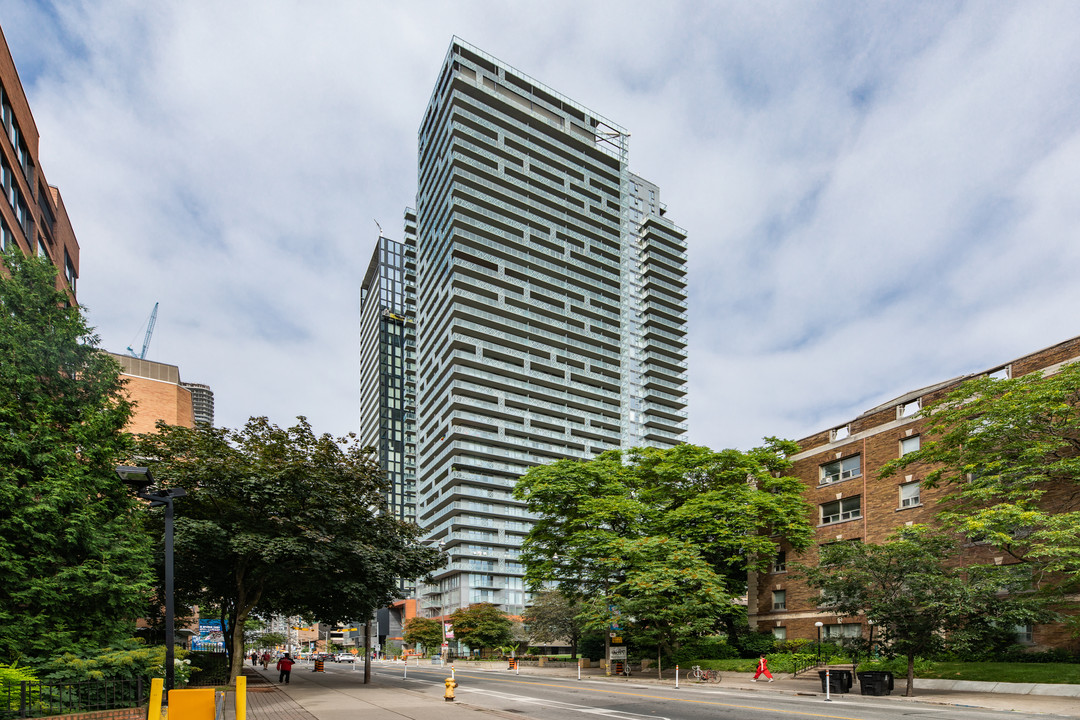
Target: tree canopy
(636, 524)
(917, 595)
(75, 560)
(481, 625)
(1008, 452)
(283, 521)
(424, 632)
(552, 617)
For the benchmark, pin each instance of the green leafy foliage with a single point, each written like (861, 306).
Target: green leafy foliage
(481, 626)
(425, 632)
(75, 559)
(665, 535)
(553, 617)
(124, 660)
(282, 521)
(918, 598)
(1009, 452)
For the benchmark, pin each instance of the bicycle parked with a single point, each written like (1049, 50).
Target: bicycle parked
(705, 675)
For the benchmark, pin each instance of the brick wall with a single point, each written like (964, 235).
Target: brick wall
(157, 400)
(874, 437)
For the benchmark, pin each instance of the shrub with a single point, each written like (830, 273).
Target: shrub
(795, 645)
(755, 644)
(897, 666)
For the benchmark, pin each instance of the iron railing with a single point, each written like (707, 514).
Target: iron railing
(26, 699)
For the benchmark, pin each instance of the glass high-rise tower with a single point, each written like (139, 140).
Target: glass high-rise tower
(387, 365)
(551, 311)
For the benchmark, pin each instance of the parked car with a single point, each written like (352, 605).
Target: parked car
(325, 657)
(345, 657)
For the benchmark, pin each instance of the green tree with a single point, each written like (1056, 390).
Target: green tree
(425, 632)
(621, 522)
(282, 521)
(1008, 452)
(75, 558)
(481, 625)
(666, 593)
(915, 592)
(552, 617)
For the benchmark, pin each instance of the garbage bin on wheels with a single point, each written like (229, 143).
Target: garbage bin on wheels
(876, 682)
(837, 682)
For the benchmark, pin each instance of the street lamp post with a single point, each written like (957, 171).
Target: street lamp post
(818, 625)
(870, 642)
(141, 479)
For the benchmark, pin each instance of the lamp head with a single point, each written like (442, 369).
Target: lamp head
(138, 477)
(818, 624)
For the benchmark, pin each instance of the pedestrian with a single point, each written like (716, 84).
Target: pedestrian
(254, 659)
(285, 666)
(266, 659)
(762, 669)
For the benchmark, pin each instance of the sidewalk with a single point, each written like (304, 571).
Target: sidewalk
(304, 699)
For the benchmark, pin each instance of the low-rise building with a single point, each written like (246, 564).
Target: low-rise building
(841, 467)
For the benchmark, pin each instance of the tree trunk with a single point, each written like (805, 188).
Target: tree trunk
(659, 670)
(910, 676)
(236, 659)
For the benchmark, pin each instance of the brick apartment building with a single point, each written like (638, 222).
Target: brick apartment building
(841, 469)
(32, 215)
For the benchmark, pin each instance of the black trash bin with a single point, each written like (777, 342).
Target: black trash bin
(846, 677)
(837, 683)
(875, 682)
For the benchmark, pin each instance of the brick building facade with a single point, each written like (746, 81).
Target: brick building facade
(32, 214)
(157, 392)
(841, 469)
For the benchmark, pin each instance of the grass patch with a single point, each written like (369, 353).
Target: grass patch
(1068, 673)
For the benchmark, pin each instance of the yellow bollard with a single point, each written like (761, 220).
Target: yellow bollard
(241, 698)
(448, 696)
(157, 688)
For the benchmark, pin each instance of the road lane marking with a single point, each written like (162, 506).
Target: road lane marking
(802, 713)
(606, 712)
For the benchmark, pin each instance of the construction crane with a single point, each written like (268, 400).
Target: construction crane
(149, 332)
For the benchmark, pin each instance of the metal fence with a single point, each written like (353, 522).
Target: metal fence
(28, 699)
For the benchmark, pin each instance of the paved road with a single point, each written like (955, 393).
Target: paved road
(552, 698)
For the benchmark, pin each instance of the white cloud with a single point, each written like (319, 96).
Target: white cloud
(877, 197)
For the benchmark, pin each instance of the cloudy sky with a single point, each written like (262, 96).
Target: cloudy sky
(879, 195)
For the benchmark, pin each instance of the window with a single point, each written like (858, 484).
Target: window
(1001, 374)
(1025, 634)
(779, 633)
(486, 596)
(779, 563)
(844, 469)
(910, 444)
(841, 510)
(907, 410)
(909, 495)
(841, 433)
(779, 600)
(841, 632)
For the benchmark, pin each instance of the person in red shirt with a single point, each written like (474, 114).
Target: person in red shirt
(762, 669)
(285, 666)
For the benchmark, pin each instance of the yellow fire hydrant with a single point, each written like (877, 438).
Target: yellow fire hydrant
(448, 696)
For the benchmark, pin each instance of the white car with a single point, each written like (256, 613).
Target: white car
(345, 657)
